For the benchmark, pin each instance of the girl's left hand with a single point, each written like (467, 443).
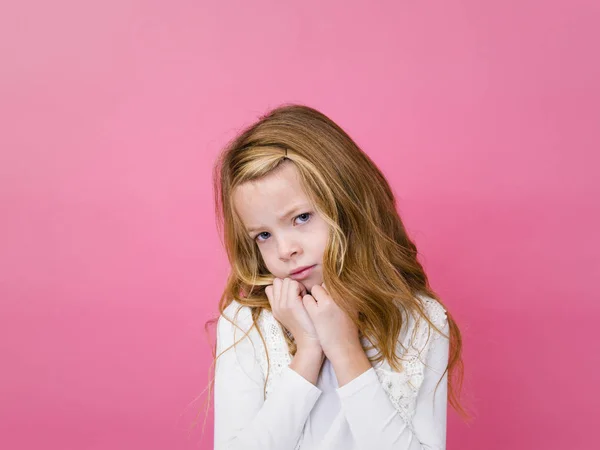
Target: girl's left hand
(337, 332)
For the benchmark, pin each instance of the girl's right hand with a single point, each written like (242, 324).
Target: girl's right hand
(285, 297)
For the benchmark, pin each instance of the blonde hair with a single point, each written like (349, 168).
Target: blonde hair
(370, 264)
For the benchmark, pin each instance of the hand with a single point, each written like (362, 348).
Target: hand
(337, 332)
(285, 297)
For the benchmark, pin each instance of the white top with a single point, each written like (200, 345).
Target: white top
(380, 409)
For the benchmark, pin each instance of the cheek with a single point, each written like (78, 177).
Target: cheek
(269, 258)
(320, 243)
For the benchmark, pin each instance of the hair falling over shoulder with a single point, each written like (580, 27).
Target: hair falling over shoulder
(370, 265)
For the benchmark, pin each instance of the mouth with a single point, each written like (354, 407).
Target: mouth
(302, 273)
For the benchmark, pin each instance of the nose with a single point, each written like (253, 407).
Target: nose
(288, 247)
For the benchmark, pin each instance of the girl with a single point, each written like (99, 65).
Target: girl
(329, 336)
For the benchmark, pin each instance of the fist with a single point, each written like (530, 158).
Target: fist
(286, 300)
(336, 331)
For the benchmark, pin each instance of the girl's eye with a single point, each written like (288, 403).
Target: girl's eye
(304, 217)
(261, 234)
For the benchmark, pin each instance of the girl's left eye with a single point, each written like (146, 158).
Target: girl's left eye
(305, 216)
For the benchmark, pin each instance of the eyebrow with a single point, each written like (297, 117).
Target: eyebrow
(284, 216)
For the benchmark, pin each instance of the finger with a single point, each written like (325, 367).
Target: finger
(276, 290)
(285, 292)
(298, 290)
(309, 303)
(269, 292)
(292, 292)
(318, 293)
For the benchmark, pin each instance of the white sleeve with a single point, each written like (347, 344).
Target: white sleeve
(243, 419)
(376, 423)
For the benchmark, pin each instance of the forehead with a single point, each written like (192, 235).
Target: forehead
(257, 201)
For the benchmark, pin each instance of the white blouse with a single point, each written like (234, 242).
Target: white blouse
(380, 409)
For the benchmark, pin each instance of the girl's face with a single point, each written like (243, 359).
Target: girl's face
(280, 218)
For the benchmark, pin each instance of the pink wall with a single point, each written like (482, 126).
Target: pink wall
(483, 114)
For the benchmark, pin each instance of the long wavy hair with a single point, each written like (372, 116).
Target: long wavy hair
(370, 264)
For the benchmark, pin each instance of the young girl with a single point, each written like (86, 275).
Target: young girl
(329, 336)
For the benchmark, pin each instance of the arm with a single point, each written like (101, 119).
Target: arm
(376, 423)
(243, 419)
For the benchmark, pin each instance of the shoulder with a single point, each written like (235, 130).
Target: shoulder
(434, 311)
(236, 311)
(256, 340)
(234, 318)
(419, 333)
(415, 343)
(237, 320)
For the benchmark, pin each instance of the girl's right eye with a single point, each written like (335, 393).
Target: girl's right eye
(259, 235)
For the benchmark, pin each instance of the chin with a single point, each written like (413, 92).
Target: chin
(309, 284)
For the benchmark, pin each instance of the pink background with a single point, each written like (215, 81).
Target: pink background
(484, 115)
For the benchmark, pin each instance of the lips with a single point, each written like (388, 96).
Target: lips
(302, 272)
(300, 269)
